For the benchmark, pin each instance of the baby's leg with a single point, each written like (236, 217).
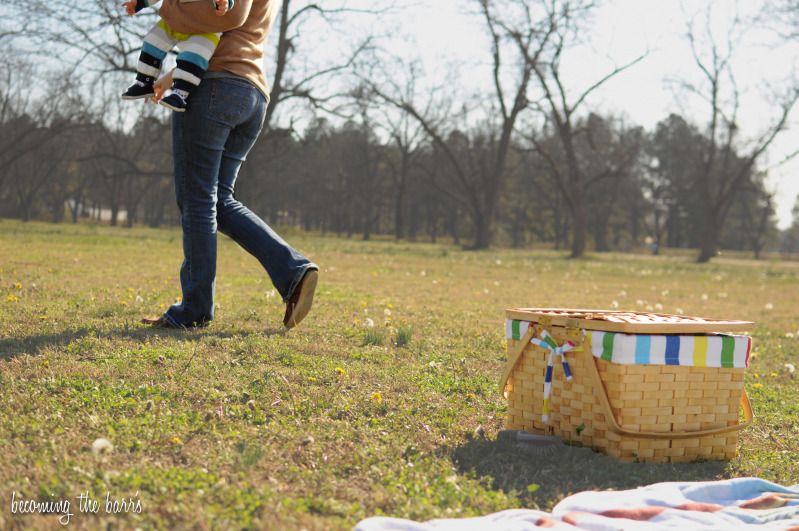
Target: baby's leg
(156, 45)
(192, 62)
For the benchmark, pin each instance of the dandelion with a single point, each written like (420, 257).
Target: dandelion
(12, 298)
(471, 396)
(139, 299)
(498, 262)
(176, 440)
(340, 371)
(387, 312)
(768, 307)
(704, 296)
(614, 304)
(17, 286)
(311, 378)
(270, 294)
(423, 273)
(791, 368)
(757, 385)
(377, 398)
(369, 323)
(102, 445)
(789, 335)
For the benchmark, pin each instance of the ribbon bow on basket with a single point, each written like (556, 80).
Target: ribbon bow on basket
(548, 342)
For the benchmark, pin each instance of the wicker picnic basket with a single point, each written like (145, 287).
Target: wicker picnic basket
(646, 387)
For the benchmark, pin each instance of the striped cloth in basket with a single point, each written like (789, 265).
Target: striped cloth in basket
(711, 350)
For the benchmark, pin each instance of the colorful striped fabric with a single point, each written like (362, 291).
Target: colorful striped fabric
(713, 350)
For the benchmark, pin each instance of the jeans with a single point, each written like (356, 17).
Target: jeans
(210, 141)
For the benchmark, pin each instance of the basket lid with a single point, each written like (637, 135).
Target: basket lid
(629, 322)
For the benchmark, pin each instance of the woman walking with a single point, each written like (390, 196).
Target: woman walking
(210, 141)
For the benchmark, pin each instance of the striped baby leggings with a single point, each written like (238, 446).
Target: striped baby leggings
(192, 61)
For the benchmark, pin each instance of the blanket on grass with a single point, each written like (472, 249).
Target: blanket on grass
(743, 503)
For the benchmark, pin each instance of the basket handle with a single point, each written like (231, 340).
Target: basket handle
(590, 362)
(514, 358)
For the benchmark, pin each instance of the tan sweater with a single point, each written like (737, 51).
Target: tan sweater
(245, 27)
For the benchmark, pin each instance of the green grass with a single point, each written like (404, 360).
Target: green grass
(236, 425)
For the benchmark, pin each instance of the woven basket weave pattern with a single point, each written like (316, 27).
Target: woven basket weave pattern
(651, 398)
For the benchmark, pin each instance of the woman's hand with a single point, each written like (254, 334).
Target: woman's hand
(161, 85)
(130, 7)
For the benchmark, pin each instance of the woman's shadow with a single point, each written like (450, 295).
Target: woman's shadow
(543, 475)
(11, 347)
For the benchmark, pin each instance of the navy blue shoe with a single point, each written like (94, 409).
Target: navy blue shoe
(138, 90)
(175, 101)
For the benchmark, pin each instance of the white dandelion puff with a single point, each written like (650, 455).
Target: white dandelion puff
(102, 445)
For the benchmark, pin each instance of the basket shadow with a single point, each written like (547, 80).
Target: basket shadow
(560, 470)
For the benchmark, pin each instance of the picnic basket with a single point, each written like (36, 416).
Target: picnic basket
(636, 386)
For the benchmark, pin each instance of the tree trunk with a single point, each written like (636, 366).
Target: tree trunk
(580, 226)
(709, 241)
(399, 214)
(482, 228)
(601, 235)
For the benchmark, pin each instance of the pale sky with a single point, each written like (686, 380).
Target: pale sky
(440, 31)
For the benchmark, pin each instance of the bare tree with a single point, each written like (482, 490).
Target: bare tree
(561, 110)
(722, 170)
(514, 28)
(299, 79)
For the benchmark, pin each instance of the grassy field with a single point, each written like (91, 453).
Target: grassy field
(238, 425)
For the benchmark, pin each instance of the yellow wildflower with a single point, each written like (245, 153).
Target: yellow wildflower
(757, 386)
(377, 398)
(12, 298)
(176, 440)
(340, 371)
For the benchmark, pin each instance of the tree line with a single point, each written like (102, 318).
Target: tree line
(384, 152)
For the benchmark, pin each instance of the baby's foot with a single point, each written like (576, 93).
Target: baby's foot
(138, 90)
(221, 7)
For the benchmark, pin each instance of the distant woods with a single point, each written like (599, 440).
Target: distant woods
(367, 145)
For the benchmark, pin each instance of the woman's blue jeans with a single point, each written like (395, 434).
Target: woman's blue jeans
(210, 141)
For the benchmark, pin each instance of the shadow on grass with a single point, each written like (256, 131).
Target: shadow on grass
(34, 344)
(561, 470)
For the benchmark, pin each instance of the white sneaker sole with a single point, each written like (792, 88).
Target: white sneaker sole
(307, 288)
(168, 106)
(137, 97)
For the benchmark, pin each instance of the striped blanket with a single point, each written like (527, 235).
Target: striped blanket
(714, 350)
(735, 504)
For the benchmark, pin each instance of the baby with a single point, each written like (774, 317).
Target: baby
(192, 61)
